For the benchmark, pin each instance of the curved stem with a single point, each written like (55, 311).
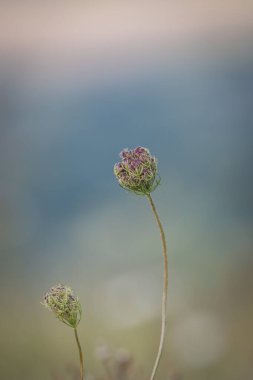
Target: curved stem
(165, 287)
(80, 354)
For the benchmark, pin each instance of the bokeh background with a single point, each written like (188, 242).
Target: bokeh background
(80, 81)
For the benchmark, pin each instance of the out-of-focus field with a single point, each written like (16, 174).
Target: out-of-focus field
(79, 82)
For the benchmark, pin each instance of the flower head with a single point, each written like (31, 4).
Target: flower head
(137, 171)
(64, 304)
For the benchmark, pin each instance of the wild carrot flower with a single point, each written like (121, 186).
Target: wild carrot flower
(66, 306)
(137, 172)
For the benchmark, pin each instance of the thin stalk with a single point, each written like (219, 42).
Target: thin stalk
(80, 354)
(165, 287)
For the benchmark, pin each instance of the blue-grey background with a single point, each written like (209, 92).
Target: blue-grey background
(78, 83)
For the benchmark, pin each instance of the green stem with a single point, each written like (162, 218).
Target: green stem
(80, 354)
(165, 287)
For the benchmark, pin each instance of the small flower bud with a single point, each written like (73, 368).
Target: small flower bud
(64, 304)
(137, 171)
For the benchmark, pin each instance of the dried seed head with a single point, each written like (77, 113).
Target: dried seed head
(64, 304)
(137, 171)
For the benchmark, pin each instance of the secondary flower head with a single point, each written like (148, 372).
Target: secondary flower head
(137, 171)
(64, 304)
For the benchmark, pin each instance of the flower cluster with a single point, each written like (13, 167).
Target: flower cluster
(137, 171)
(64, 304)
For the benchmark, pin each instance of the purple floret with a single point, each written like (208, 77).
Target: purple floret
(137, 170)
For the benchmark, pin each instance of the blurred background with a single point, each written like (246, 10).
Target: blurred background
(80, 81)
